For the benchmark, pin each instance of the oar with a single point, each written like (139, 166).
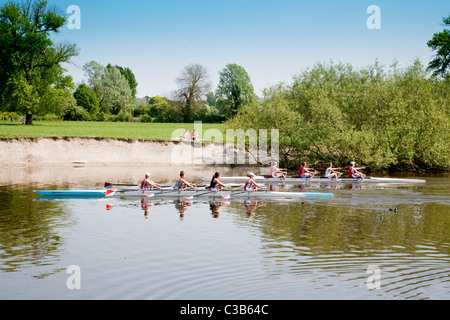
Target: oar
(225, 196)
(110, 185)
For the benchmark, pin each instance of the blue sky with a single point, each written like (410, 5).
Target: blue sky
(272, 40)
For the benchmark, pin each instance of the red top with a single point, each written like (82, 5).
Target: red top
(300, 171)
(350, 172)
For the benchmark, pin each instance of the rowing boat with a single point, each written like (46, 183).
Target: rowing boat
(188, 194)
(262, 179)
(72, 193)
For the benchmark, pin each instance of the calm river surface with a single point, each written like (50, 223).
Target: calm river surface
(278, 249)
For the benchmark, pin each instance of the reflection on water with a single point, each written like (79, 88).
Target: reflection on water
(237, 249)
(29, 231)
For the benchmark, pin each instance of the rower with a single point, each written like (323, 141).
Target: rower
(331, 172)
(147, 184)
(186, 134)
(306, 173)
(251, 185)
(194, 135)
(215, 184)
(354, 173)
(276, 172)
(182, 184)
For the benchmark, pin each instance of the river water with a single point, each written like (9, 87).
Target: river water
(368, 242)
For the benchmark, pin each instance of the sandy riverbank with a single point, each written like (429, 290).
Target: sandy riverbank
(84, 160)
(91, 152)
(115, 152)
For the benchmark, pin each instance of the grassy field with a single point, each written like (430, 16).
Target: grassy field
(122, 130)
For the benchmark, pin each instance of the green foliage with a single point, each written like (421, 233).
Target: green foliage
(111, 88)
(76, 113)
(382, 117)
(87, 99)
(441, 44)
(129, 75)
(29, 61)
(157, 110)
(234, 90)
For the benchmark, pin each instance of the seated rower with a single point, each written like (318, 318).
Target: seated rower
(276, 172)
(331, 172)
(306, 173)
(186, 135)
(354, 173)
(251, 185)
(215, 184)
(148, 184)
(194, 135)
(182, 184)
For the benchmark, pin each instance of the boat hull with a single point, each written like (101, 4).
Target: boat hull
(261, 179)
(221, 194)
(72, 193)
(190, 194)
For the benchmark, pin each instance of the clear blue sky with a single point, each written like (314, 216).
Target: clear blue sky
(272, 40)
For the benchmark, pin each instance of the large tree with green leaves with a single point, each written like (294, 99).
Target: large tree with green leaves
(87, 99)
(129, 75)
(441, 44)
(111, 87)
(234, 90)
(30, 63)
(385, 118)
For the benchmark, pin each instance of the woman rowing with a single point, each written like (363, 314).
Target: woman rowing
(194, 135)
(331, 172)
(354, 173)
(182, 184)
(215, 184)
(275, 172)
(306, 173)
(148, 184)
(186, 134)
(251, 185)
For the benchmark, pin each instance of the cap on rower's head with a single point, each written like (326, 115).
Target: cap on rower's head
(352, 163)
(147, 174)
(251, 174)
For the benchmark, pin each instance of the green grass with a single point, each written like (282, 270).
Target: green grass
(119, 130)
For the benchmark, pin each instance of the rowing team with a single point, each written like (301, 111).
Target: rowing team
(181, 184)
(308, 173)
(215, 184)
(330, 172)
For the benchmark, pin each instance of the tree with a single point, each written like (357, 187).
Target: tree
(384, 118)
(441, 44)
(115, 93)
(30, 64)
(193, 84)
(111, 88)
(129, 75)
(94, 72)
(87, 99)
(234, 90)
